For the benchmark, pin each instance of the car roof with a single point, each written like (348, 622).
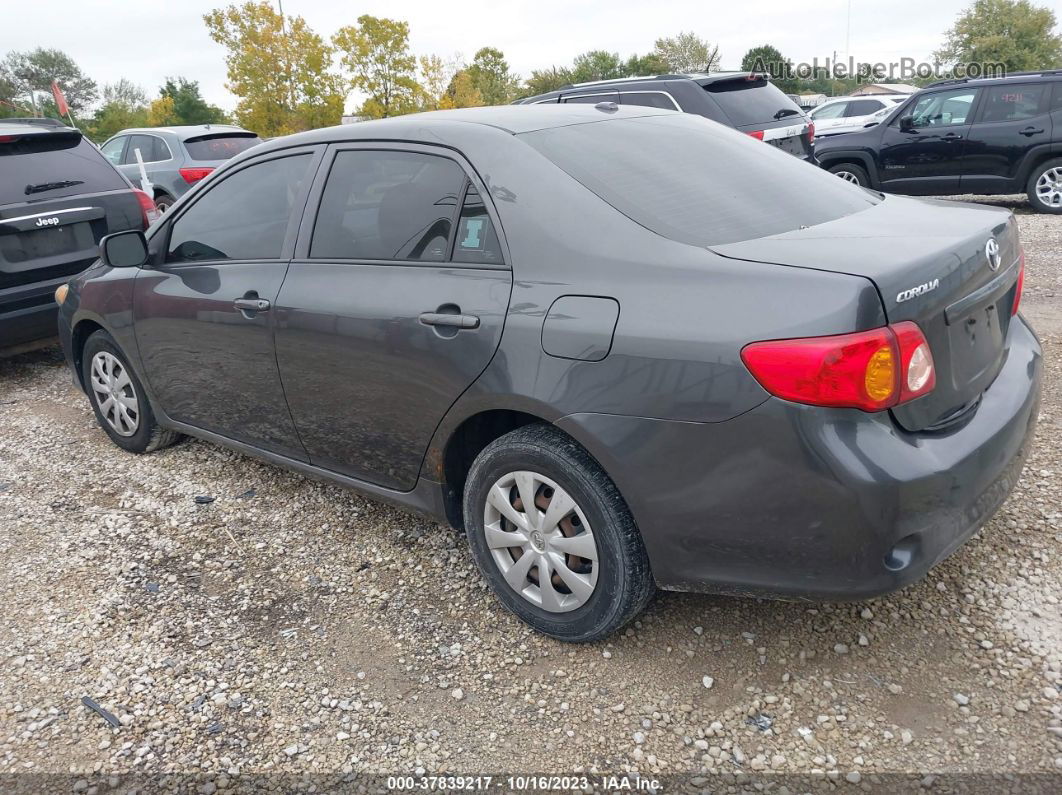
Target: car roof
(19, 126)
(1046, 74)
(701, 78)
(511, 119)
(184, 131)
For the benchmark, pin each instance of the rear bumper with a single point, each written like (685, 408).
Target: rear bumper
(27, 313)
(803, 502)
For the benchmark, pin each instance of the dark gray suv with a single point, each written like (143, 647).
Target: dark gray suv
(586, 337)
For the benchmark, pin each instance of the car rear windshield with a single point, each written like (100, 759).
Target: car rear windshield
(696, 181)
(221, 146)
(50, 166)
(748, 102)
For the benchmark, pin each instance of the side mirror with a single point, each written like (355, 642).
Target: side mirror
(124, 249)
(907, 124)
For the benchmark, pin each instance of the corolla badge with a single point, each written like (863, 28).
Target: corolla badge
(992, 252)
(914, 292)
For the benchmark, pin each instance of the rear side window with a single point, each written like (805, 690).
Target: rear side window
(751, 101)
(219, 147)
(697, 182)
(244, 216)
(386, 205)
(835, 110)
(477, 241)
(648, 99)
(1012, 103)
(593, 99)
(51, 166)
(862, 107)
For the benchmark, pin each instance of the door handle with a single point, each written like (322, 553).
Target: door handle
(252, 304)
(452, 321)
(952, 137)
(1032, 131)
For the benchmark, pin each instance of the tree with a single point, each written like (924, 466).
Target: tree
(376, 53)
(34, 71)
(188, 106)
(161, 113)
(461, 93)
(543, 81)
(435, 77)
(490, 74)
(1014, 33)
(597, 65)
(278, 67)
(687, 53)
(766, 58)
(124, 105)
(651, 64)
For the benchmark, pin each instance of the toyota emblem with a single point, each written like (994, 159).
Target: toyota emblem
(992, 252)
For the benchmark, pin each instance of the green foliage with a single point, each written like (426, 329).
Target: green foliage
(593, 65)
(1015, 33)
(490, 75)
(461, 93)
(188, 106)
(687, 53)
(23, 72)
(376, 53)
(543, 81)
(598, 65)
(767, 58)
(278, 68)
(124, 105)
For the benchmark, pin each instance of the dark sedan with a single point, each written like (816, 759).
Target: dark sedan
(588, 337)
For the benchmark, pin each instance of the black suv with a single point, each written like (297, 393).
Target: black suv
(58, 197)
(987, 136)
(746, 101)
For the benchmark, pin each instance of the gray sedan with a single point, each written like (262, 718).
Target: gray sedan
(175, 158)
(620, 348)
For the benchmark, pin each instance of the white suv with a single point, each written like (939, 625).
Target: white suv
(848, 114)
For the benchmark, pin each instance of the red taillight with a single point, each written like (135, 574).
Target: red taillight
(148, 212)
(757, 134)
(868, 370)
(6, 139)
(1021, 283)
(811, 132)
(193, 175)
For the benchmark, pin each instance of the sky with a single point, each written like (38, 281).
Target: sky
(146, 42)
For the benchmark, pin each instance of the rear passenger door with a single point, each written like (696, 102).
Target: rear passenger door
(393, 305)
(1011, 120)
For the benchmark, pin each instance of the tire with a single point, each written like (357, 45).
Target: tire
(163, 202)
(850, 172)
(129, 421)
(1044, 187)
(620, 581)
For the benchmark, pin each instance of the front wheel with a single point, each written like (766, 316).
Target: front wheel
(850, 172)
(118, 398)
(1045, 187)
(553, 536)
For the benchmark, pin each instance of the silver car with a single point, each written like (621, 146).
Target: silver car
(175, 158)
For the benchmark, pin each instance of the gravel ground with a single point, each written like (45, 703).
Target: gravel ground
(290, 626)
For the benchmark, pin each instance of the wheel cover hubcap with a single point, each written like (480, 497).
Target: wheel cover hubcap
(115, 395)
(847, 176)
(1049, 187)
(541, 541)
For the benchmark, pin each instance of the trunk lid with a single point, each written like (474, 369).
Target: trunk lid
(929, 267)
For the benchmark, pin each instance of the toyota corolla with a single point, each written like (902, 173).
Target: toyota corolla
(620, 348)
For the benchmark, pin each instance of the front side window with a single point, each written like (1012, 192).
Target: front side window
(112, 150)
(387, 205)
(943, 109)
(834, 110)
(152, 149)
(244, 216)
(1012, 103)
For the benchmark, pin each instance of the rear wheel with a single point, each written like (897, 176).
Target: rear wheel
(850, 172)
(163, 202)
(118, 398)
(1045, 187)
(553, 537)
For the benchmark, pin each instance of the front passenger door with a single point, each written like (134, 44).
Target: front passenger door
(203, 313)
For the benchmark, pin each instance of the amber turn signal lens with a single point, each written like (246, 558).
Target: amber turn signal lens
(60, 293)
(880, 378)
